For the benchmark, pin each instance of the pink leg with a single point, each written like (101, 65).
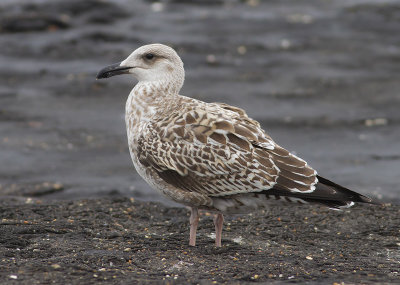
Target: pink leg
(218, 222)
(194, 221)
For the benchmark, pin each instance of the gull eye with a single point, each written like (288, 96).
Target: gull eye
(149, 56)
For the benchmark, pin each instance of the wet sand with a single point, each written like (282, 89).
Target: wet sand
(120, 241)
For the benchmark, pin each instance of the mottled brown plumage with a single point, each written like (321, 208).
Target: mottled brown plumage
(209, 155)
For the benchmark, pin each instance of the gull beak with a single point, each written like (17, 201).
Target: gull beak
(111, 70)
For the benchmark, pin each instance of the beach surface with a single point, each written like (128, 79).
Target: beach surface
(121, 241)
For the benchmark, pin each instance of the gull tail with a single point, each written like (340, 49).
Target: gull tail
(326, 193)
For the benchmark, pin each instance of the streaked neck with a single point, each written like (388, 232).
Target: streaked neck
(149, 97)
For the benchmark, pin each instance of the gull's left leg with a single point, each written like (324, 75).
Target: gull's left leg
(194, 221)
(218, 222)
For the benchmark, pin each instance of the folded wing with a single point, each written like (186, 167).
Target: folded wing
(221, 152)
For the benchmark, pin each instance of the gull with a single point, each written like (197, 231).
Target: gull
(210, 155)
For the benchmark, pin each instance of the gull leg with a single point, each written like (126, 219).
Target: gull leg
(194, 221)
(218, 222)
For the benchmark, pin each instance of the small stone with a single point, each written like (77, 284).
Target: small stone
(58, 186)
(299, 18)
(211, 59)
(157, 7)
(309, 258)
(376, 122)
(253, 3)
(285, 44)
(241, 50)
(56, 266)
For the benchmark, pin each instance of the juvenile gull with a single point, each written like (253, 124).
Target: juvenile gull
(209, 155)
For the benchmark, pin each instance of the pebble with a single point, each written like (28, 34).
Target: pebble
(285, 44)
(157, 7)
(376, 122)
(211, 59)
(241, 50)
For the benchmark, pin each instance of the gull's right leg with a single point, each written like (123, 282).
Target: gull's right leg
(194, 221)
(218, 222)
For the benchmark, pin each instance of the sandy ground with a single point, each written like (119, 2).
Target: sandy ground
(120, 241)
(322, 77)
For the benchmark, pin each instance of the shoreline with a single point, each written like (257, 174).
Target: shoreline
(123, 240)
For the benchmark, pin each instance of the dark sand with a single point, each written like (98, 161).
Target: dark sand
(125, 242)
(322, 77)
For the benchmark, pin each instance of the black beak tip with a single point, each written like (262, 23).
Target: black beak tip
(114, 69)
(102, 75)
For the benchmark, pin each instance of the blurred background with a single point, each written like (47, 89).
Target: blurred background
(321, 76)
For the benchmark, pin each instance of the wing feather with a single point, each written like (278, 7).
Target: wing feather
(218, 150)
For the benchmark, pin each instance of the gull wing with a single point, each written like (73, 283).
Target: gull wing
(217, 150)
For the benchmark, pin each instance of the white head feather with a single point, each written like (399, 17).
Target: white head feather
(156, 63)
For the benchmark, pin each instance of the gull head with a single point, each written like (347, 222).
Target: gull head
(154, 62)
